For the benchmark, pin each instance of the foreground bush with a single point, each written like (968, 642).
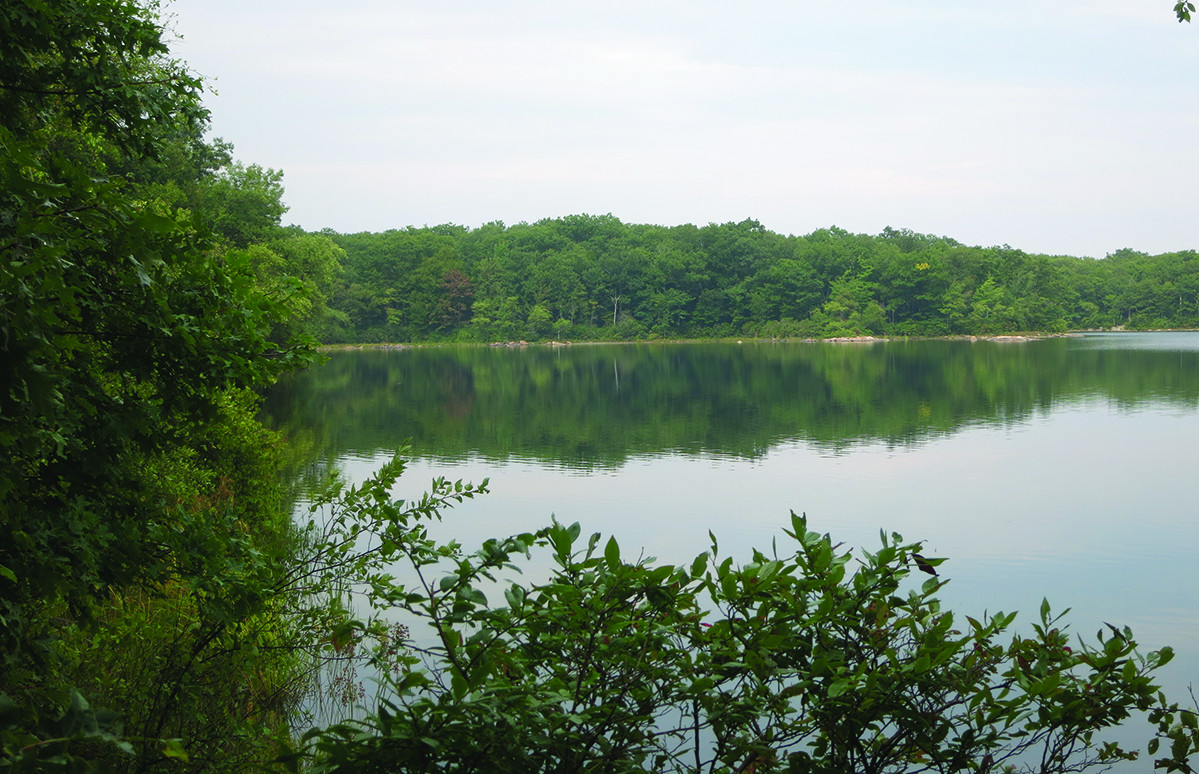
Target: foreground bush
(809, 660)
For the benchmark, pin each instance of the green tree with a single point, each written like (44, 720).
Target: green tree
(989, 309)
(539, 321)
(242, 204)
(787, 288)
(554, 282)
(457, 297)
(852, 308)
(130, 341)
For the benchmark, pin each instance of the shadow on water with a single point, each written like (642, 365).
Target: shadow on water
(588, 407)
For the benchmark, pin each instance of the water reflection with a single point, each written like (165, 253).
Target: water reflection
(1059, 468)
(587, 407)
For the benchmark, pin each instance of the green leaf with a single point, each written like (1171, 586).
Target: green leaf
(515, 596)
(156, 223)
(612, 554)
(173, 748)
(839, 687)
(458, 685)
(343, 633)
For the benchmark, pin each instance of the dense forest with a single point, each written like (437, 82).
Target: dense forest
(163, 609)
(147, 291)
(594, 277)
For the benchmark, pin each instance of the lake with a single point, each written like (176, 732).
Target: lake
(1061, 468)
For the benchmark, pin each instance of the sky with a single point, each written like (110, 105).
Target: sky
(1052, 126)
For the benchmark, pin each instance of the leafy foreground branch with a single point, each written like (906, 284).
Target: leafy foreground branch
(812, 661)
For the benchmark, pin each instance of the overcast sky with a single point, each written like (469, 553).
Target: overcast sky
(1054, 126)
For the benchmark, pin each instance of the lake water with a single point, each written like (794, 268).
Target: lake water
(1062, 468)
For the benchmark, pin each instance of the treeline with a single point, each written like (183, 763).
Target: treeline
(593, 277)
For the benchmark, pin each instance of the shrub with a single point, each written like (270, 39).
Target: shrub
(812, 660)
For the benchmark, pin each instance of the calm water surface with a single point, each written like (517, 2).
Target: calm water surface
(1062, 468)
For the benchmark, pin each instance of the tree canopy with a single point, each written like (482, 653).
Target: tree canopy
(594, 277)
(146, 287)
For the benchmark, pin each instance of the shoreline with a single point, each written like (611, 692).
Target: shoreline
(521, 344)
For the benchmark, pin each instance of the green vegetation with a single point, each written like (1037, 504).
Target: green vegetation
(146, 287)
(160, 612)
(594, 277)
(804, 660)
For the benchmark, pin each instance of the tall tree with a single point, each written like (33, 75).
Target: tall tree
(129, 337)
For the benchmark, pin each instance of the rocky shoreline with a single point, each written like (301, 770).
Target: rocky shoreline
(521, 344)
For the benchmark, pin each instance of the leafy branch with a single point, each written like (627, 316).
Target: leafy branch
(817, 660)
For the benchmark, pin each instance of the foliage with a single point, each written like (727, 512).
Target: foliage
(809, 660)
(594, 277)
(141, 520)
(147, 286)
(50, 747)
(114, 315)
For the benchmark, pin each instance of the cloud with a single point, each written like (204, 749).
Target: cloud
(1031, 123)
